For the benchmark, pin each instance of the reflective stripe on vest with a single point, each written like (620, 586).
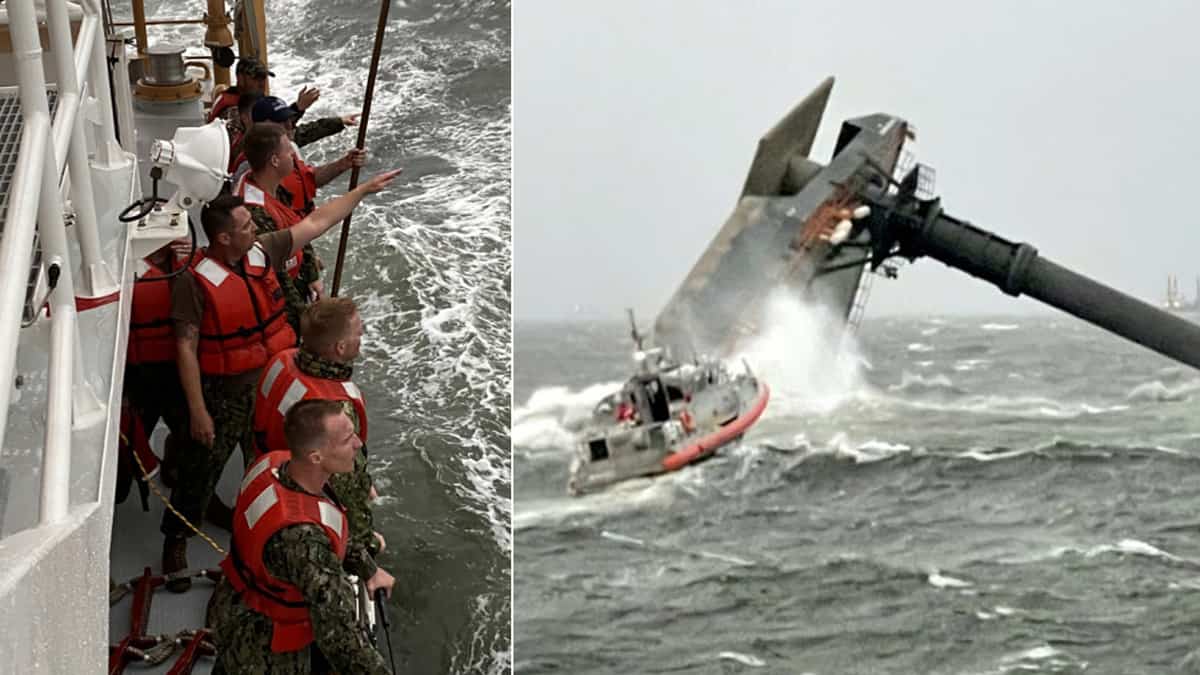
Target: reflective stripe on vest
(244, 320)
(283, 384)
(282, 215)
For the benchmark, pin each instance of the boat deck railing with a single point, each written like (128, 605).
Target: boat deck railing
(53, 159)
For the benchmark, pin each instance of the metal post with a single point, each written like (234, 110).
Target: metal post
(56, 457)
(108, 153)
(139, 26)
(95, 276)
(123, 95)
(16, 246)
(217, 35)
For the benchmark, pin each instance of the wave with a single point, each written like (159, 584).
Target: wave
(805, 357)
(921, 384)
(1031, 407)
(999, 326)
(1123, 547)
(1157, 391)
(552, 416)
(744, 659)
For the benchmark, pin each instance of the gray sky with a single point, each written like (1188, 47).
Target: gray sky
(1072, 126)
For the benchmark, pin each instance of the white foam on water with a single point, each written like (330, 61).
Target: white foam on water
(802, 356)
(999, 326)
(1125, 546)
(967, 365)
(1157, 391)
(744, 659)
(867, 452)
(919, 347)
(613, 536)
(939, 580)
(553, 415)
(742, 562)
(1033, 407)
(628, 495)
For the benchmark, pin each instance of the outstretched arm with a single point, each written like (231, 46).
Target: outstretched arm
(327, 215)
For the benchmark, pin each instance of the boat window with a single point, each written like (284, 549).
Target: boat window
(598, 448)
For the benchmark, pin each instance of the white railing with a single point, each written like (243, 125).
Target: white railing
(47, 148)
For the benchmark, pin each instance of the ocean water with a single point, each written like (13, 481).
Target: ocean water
(968, 495)
(429, 263)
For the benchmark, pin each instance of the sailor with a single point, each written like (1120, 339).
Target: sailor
(251, 79)
(331, 335)
(151, 379)
(237, 145)
(300, 188)
(285, 604)
(271, 158)
(229, 320)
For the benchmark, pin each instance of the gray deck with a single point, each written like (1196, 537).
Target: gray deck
(137, 543)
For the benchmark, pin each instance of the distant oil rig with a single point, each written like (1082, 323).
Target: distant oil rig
(1176, 302)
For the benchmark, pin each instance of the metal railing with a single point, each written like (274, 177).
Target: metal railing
(49, 147)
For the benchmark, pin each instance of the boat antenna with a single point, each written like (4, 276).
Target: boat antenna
(633, 331)
(384, 5)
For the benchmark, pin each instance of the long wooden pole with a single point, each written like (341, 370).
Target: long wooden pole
(384, 5)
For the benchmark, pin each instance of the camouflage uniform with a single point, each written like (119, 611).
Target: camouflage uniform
(311, 132)
(230, 403)
(295, 292)
(300, 555)
(353, 489)
(229, 400)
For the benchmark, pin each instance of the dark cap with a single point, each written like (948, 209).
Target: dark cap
(251, 66)
(272, 109)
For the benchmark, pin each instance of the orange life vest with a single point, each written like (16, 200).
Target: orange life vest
(151, 335)
(265, 506)
(283, 216)
(283, 384)
(226, 99)
(302, 185)
(245, 320)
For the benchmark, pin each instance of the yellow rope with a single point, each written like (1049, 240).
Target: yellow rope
(167, 502)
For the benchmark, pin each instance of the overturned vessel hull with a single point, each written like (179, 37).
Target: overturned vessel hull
(778, 236)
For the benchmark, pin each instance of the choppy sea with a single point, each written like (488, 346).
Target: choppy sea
(955, 494)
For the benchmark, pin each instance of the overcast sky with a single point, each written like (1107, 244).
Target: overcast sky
(1073, 126)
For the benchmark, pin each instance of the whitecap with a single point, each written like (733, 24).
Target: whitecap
(939, 580)
(744, 659)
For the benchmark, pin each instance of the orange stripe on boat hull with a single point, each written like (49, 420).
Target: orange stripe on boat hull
(681, 458)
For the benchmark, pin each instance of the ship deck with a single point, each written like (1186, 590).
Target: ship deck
(137, 544)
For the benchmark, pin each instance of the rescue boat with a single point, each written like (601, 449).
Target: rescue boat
(666, 416)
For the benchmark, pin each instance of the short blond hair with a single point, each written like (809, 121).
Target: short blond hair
(304, 426)
(325, 322)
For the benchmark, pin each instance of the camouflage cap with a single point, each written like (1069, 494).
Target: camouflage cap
(248, 65)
